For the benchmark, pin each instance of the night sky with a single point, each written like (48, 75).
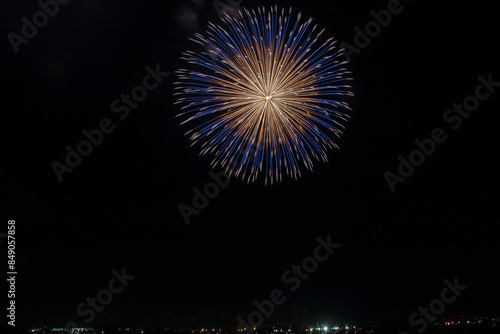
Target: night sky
(119, 207)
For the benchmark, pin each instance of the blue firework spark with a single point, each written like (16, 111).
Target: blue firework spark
(266, 96)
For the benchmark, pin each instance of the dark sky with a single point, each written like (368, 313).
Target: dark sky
(119, 207)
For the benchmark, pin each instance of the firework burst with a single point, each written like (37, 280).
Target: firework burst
(266, 96)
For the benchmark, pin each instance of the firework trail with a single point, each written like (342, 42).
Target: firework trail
(265, 98)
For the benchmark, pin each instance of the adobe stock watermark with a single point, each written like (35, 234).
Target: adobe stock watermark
(29, 29)
(436, 307)
(229, 7)
(188, 17)
(103, 297)
(211, 190)
(453, 117)
(293, 278)
(372, 29)
(120, 106)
